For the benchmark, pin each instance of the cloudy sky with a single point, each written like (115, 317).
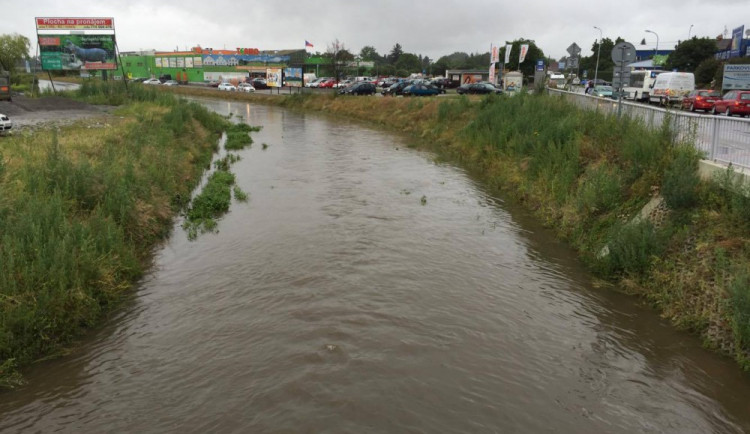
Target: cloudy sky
(433, 28)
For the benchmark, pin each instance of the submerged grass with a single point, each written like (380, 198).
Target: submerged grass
(80, 208)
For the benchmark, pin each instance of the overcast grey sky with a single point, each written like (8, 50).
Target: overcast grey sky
(434, 28)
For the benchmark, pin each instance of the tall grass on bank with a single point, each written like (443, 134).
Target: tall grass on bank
(79, 211)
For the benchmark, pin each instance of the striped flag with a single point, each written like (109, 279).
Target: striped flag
(308, 44)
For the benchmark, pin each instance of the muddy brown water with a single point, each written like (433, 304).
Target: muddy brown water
(335, 300)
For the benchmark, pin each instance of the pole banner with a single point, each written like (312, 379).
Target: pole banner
(524, 50)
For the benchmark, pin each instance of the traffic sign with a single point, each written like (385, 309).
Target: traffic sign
(621, 79)
(623, 53)
(574, 50)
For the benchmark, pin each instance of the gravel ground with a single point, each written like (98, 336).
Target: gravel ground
(28, 113)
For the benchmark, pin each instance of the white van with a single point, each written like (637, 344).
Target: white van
(670, 87)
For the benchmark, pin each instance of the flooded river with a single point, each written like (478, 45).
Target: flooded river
(366, 288)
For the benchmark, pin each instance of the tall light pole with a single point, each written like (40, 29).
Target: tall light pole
(690, 31)
(598, 52)
(657, 41)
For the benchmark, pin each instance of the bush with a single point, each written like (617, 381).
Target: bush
(631, 249)
(681, 180)
(599, 190)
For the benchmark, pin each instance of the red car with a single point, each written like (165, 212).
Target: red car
(700, 99)
(327, 83)
(734, 102)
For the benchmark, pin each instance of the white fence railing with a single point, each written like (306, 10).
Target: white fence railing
(721, 138)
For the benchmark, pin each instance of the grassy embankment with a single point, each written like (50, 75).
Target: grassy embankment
(588, 176)
(80, 209)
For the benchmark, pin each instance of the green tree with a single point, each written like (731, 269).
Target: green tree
(706, 71)
(369, 53)
(409, 62)
(532, 55)
(12, 49)
(606, 66)
(395, 54)
(337, 56)
(689, 54)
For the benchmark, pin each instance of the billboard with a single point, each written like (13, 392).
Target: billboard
(734, 51)
(273, 77)
(736, 77)
(63, 23)
(293, 77)
(76, 52)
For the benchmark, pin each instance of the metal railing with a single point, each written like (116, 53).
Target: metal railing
(722, 139)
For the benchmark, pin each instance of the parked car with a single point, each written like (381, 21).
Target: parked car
(227, 86)
(421, 89)
(214, 83)
(478, 89)
(259, 83)
(171, 83)
(603, 91)
(311, 82)
(152, 81)
(317, 81)
(442, 82)
(342, 84)
(327, 83)
(734, 102)
(165, 77)
(396, 89)
(5, 123)
(360, 88)
(701, 99)
(245, 87)
(388, 82)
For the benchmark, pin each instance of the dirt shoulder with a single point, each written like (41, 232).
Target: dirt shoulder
(28, 113)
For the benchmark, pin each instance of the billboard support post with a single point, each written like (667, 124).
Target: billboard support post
(122, 67)
(52, 83)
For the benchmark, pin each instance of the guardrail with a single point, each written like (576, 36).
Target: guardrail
(722, 139)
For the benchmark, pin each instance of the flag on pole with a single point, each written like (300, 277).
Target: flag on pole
(308, 44)
(524, 50)
(507, 52)
(495, 54)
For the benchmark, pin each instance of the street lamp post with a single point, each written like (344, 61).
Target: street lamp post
(657, 41)
(690, 31)
(598, 52)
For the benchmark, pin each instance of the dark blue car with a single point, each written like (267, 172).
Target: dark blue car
(422, 89)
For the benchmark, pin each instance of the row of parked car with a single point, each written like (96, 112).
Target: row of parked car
(734, 102)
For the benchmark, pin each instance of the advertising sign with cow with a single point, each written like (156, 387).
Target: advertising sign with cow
(77, 52)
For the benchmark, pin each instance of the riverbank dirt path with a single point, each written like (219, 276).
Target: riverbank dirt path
(27, 113)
